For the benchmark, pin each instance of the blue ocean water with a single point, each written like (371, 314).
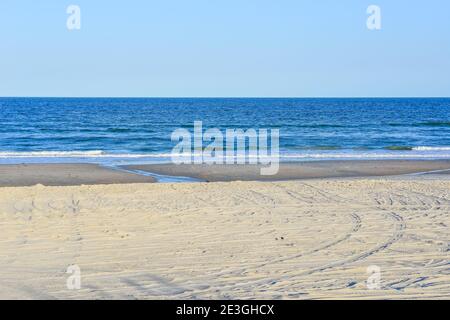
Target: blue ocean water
(132, 130)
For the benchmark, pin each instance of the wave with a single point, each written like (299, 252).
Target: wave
(399, 148)
(119, 130)
(51, 154)
(78, 154)
(421, 124)
(424, 148)
(390, 152)
(363, 156)
(317, 148)
(322, 126)
(431, 148)
(436, 123)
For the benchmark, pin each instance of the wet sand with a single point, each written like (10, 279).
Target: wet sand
(91, 174)
(297, 170)
(64, 175)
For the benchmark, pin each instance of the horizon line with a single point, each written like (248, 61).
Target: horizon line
(223, 97)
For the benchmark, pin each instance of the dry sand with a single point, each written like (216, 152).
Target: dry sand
(310, 239)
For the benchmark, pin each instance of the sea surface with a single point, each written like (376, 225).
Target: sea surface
(138, 130)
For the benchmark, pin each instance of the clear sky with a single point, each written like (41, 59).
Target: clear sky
(223, 48)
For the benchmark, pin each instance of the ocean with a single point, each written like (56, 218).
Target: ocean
(138, 130)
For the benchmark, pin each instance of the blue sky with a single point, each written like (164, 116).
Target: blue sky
(222, 48)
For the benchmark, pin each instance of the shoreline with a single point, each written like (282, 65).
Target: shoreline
(18, 175)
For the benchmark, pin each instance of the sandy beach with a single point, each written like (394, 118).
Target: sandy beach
(303, 239)
(233, 150)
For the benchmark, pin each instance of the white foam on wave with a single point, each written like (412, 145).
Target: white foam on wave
(416, 153)
(431, 149)
(50, 154)
(76, 154)
(369, 156)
